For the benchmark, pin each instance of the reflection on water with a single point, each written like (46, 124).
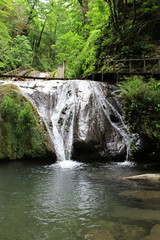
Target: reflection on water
(75, 201)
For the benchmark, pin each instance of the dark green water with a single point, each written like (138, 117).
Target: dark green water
(74, 202)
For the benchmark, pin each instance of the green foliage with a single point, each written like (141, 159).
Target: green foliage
(19, 54)
(20, 131)
(21, 51)
(132, 88)
(137, 49)
(5, 7)
(142, 106)
(83, 34)
(85, 62)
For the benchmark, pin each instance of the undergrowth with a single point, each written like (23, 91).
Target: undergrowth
(142, 106)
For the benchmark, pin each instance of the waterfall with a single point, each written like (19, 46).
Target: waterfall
(79, 113)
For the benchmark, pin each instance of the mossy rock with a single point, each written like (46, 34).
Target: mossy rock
(23, 134)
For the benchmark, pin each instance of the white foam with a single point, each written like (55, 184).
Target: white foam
(68, 164)
(126, 164)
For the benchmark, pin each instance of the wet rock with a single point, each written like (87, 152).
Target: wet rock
(125, 232)
(142, 195)
(114, 230)
(135, 213)
(154, 233)
(99, 128)
(99, 234)
(149, 177)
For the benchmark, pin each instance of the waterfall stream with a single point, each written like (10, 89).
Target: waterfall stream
(79, 112)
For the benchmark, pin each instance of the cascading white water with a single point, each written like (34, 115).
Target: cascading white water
(107, 109)
(78, 111)
(55, 102)
(62, 118)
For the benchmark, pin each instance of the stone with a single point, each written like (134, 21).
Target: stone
(99, 234)
(154, 233)
(143, 195)
(135, 213)
(115, 230)
(149, 176)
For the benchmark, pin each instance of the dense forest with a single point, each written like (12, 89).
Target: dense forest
(81, 33)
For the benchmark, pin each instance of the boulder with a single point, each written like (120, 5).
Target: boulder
(23, 134)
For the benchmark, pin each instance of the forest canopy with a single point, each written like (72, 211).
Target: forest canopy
(81, 33)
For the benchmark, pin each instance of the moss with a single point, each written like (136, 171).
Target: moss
(22, 133)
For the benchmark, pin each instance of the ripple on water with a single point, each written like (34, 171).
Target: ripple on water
(69, 200)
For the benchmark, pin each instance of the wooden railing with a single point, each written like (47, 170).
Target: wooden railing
(114, 71)
(134, 65)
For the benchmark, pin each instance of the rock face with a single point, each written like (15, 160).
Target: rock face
(22, 133)
(83, 118)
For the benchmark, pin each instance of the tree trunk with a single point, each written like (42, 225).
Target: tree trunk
(114, 16)
(84, 5)
(54, 42)
(40, 36)
(135, 12)
(30, 17)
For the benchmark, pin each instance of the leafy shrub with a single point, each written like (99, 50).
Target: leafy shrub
(18, 53)
(86, 61)
(12, 112)
(21, 51)
(142, 105)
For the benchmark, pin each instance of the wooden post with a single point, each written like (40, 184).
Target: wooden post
(144, 66)
(117, 77)
(159, 64)
(63, 69)
(114, 66)
(130, 66)
(60, 72)
(102, 76)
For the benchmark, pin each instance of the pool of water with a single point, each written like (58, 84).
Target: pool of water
(76, 201)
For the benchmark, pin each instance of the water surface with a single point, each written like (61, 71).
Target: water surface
(75, 201)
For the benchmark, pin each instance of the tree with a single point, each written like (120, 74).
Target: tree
(5, 12)
(83, 33)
